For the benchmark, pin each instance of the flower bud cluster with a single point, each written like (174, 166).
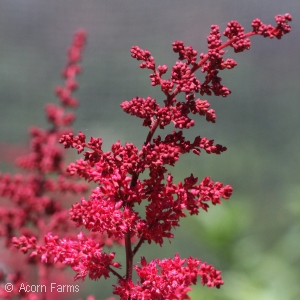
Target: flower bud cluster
(157, 275)
(145, 55)
(270, 31)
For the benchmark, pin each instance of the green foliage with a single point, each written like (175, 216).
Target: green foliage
(252, 271)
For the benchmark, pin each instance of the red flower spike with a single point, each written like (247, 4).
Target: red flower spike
(110, 211)
(33, 204)
(155, 278)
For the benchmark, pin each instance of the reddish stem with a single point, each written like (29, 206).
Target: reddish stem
(129, 256)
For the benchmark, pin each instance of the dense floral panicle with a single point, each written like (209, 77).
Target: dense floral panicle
(99, 165)
(65, 95)
(34, 199)
(166, 85)
(46, 155)
(140, 54)
(11, 218)
(169, 201)
(110, 209)
(214, 39)
(168, 150)
(83, 255)
(184, 78)
(57, 115)
(160, 153)
(162, 69)
(178, 47)
(168, 279)
(269, 31)
(71, 141)
(148, 110)
(71, 70)
(24, 243)
(185, 52)
(125, 158)
(142, 108)
(103, 213)
(176, 139)
(201, 107)
(235, 32)
(228, 64)
(74, 52)
(155, 79)
(24, 192)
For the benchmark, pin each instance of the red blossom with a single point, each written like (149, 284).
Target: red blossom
(83, 255)
(110, 208)
(168, 279)
(33, 203)
(102, 214)
(140, 54)
(270, 31)
(110, 213)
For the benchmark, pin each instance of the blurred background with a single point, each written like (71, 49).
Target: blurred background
(255, 237)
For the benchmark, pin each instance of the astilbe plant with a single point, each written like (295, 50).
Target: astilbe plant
(33, 202)
(111, 208)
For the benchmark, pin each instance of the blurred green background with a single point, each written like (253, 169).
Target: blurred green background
(255, 237)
